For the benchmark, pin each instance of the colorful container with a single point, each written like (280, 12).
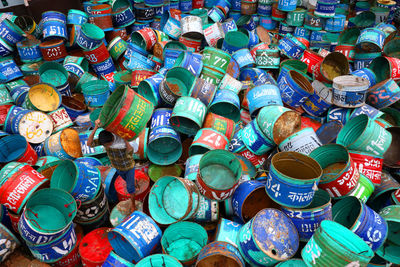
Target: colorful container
(207, 139)
(349, 91)
(219, 253)
(64, 144)
(16, 148)
(96, 92)
(389, 249)
(9, 244)
(303, 141)
(95, 247)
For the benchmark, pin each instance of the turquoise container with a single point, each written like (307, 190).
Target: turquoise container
(173, 199)
(192, 166)
(227, 231)
(292, 263)
(277, 123)
(183, 241)
(334, 243)
(159, 260)
(363, 134)
(268, 238)
(293, 179)
(188, 115)
(390, 249)
(227, 104)
(96, 92)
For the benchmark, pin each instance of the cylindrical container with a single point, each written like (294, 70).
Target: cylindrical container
(319, 102)
(291, 47)
(164, 144)
(188, 115)
(207, 139)
(177, 82)
(278, 123)
(76, 17)
(219, 174)
(349, 91)
(126, 113)
(192, 27)
(190, 61)
(230, 83)
(34, 226)
(226, 104)
(383, 94)
(54, 28)
(16, 148)
(308, 219)
(295, 88)
(136, 237)
(53, 50)
(9, 244)
(364, 189)
(249, 198)
(113, 260)
(56, 249)
(29, 51)
(55, 74)
(184, 240)
(149, 88)
(60, 119)
(333, 242)
(220, 253)
(92, 208)
(95, 247)
(368, 164)
(234, 41)
(192, 167)
(10, 32)
(340, 176)
(35, 126)
(64, 144)
(367, 74)
(371, 40)
(303, 141)
(363, 134)
(90, 36)
(216, 59)
(255, 140)
(361, 220)
(221, 124)
(179, 196)
(203, 91)
(261, 96)
(325, 73)
(268, 245)
(96, 92)
(227, 231)
(43, 97)
(82, 181)
(288, 188)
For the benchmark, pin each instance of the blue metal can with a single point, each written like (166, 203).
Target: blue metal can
(362, 60)
(123, 18)
(192, 167)
(366, 109)
(261, 96)
(255, 140)
(149, 89)
(253, 39)
(104, 67)
(237, 145)
(263, 247)
(172, 28)
(75, 69)
(339, 114)
(361, 220)
(190, 61)
(308, 219)
(76, 17)
(302, 33)
(243, 58)
(185, 6)
(218, 253)
(367, 74)
(336, 23)
(371, 40)
(289, 189)
(320, 101)
(295, 88)
(5, 49)
(325, 8)
(236, 5)
(9, 71)
(88, 182)
(55, 29)
(267, 22)
(291, 47)
(284, 29)
(287, 5)
(384, 94)
(227, 231)
(317, 36)
(136, 237)
(208, 210)
(216, 14)
(29, 51)
(170, 56)
(134, 48)
(10, 32)
(229, 25)
(264, 10)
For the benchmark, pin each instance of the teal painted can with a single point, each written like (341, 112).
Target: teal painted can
(192, 166)
(363, 134)
(277, 123)
(227, 231)
(293, 179)
(292, 263)
(53, 73)
(333, 242)
(173, 199)
(5, 97)
(183, 241)
(96, 92)
(157, 260)
(268, 238)
(188, 115)
(390, 249)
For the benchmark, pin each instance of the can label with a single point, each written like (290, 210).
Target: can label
(60, 119)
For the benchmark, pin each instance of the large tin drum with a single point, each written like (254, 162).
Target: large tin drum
(268, 238)
(219, 174)
(136, 237)
(64, 144)
(207, 139)
(16, 148)
(333, 242)
(219, 253)
(293, 179)
(36, 127)
(95, 247)
(361, 220)
(173, 199)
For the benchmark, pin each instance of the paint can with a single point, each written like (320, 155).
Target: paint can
(388, 250)
(268, 245)
(16, 148)
(219, 174)
(203, 91)
(179, 196)
(361, 220)
(227, 231)
(95, 247)
(333, 242)
(226, 103)
(254, 139)
(303, 141)
(113, 260)
(183, 241)
(219, 123)
(177, 82)
(90, 36)
(64, 144)
(126, 113)
(338, 114)
(82, 181)
(35, 126)
(383, 94)
(207, 139)
(308, 219)
(53, 50)
(333, 65)
(363, 134)
(91, 209)
(320, 101)
(220, 253)
(55, 74)
(164, 144)
(216, 59)
(188, 115)
(364, 189)
(34, 226)
(295, 89)
(368, 164)
(60, 119)
(349, 91)
(13, 118)
(96, 92)
(9, 244)
(340, 176)
(277, 123)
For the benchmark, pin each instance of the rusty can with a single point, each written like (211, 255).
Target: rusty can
(219, 253)
(368, 164)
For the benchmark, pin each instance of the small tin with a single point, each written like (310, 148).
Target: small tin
(368, 164)
(267, 58)
(320, 101)
(325, 8)
(29, 51)
(291, 47)
(349, 91)
(53, 50)
(295, 89)
(383, 94)
(287, 5)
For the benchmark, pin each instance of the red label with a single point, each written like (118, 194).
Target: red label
(257, 47)
(395, 66)
(97, 55)
(3, 113)
(197, 4)
(369, 166)
(256, 160)
(140, 75)
(311, 59)
(149, 36)
(212, 139)
(59, 118)
(343, 184)
(16, 189)
(30, 155)
(214, 194)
